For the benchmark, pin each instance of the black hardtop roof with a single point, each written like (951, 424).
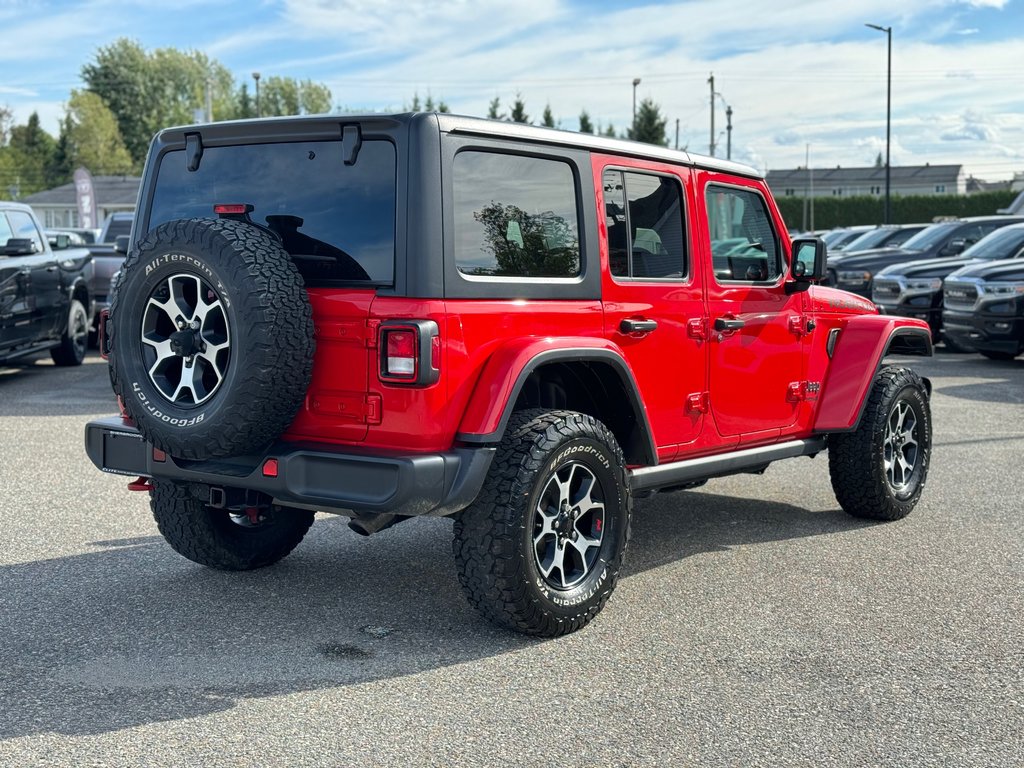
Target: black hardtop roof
(314, 127)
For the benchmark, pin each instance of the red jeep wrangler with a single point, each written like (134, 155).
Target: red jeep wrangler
(523, 329)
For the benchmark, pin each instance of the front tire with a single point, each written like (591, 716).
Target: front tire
(879, 470)
(75, 339)
(219, 539)
(540, 550)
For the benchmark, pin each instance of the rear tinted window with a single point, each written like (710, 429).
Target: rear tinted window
(515, 216)
(119, 226)
(336, 220)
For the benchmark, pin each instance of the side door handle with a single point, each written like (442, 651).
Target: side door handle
(638, 326)
(725, 325)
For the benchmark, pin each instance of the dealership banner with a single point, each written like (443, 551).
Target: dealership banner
(86, 199)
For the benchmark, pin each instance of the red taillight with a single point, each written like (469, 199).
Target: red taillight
(232, 209)
(402, 353)
(270, 468)
(410, 352)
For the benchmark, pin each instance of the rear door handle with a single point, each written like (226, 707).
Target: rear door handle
(723, 324)
(638, 326)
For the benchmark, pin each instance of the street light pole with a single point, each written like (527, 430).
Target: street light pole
(888, 113)
(256, 77)
(636, 82)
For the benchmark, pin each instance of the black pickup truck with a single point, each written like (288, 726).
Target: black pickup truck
(45, 303)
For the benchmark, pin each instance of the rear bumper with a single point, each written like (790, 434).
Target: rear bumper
(309, 475)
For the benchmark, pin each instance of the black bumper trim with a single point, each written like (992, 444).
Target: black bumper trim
(434, 484)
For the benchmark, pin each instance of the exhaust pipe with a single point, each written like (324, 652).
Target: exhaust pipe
(365, 525)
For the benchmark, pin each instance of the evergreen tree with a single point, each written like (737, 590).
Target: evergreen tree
(548, 120)
(609, 131)
(649, 126)
(492, 109)
(518, 114)
(585, 125)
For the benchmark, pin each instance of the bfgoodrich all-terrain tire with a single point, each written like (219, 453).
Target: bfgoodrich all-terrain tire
(541, 548)
(879, 470)
(220, 539)
(211, 337)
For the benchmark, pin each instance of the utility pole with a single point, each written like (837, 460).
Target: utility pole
(256, 77)
(728, 133)
(677, 133)
(711, 143)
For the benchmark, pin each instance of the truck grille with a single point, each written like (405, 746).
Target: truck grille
(885, 289)
(959, 295)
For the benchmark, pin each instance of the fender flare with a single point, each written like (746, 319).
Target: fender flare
(862, 345)
(506, 372)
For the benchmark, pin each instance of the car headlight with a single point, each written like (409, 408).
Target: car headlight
(929, 284)
(1004, 289)
(860, 277)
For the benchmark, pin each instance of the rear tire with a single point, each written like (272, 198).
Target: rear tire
(879, 470)
(540, 550)
(75, 339)
(219, 539)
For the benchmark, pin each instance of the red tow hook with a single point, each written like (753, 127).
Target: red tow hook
(253, 513)
(142, 484)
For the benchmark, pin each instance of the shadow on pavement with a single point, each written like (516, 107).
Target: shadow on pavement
(133, 634)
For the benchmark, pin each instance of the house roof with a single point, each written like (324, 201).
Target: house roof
(898, 174)
(109, 190)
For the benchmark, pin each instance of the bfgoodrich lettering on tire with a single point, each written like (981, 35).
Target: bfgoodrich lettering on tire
(211, 338)
(541, 548)
(879, 470)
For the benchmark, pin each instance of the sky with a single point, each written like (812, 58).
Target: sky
(804, 78)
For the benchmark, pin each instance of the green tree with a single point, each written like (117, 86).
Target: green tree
(879, 162)
(548, 120)
(431, 106)
(287, 96)
(649, 126)
(492, 109)
(34, 149)
(518, 114)
(609, 131)
(6, 121)
(246, 107)
(94, 139)
(585, 125)
(122, 77)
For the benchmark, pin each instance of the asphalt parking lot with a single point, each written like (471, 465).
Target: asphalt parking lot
(756, 623)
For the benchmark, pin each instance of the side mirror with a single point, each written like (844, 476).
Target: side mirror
(954, 246)
(121, 244)
(60, 241)
(808, 262)
(19, 246)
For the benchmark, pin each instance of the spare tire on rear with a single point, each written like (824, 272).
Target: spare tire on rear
(211, 337)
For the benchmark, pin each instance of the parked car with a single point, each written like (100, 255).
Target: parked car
(884, 236)
(386, 317)
(855, 272)
(108, 255)
(984, 308)
(914, 289)
(89, 236)
(838, 239)
(44, 296)
(59, 239)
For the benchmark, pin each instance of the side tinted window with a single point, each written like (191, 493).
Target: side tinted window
(644, 215)
(25, 228)
(5, 230)
(336, 220)
(743, 243)
(515, 216)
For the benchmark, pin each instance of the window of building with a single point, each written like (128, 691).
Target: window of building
(940, 188)
(515, 216)
(644, 215)
(744, 246)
